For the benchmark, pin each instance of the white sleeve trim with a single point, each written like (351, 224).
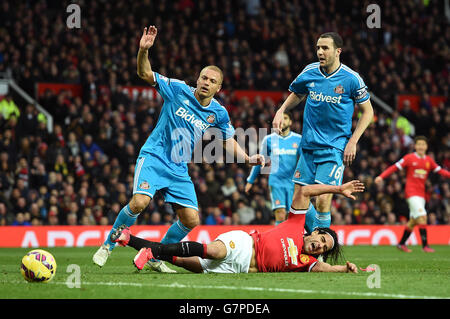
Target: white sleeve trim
(437, 169)
(312, 265)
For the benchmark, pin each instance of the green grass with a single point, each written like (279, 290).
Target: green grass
(414, 275)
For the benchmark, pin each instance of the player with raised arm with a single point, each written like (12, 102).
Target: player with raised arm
(418, 165)
(331, 90)
(282, 249)
(186, 114)
(283, 151)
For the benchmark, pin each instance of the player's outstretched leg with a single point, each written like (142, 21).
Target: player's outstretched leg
(127, 216)
(188, 219)
(153, 250)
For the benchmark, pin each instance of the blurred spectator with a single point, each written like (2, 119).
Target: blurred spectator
(245, 212)
(8, 108)
(20, 220)
(229, 187)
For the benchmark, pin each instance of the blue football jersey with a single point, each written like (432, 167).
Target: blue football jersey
(182, 123)
(284, 152)
(327, 118)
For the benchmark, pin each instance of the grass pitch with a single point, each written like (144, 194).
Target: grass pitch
(416, 275)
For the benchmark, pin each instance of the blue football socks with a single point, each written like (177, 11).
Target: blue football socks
(323, 219)
(126, 217)
(316, 219)
(310, 218)
(175, 233)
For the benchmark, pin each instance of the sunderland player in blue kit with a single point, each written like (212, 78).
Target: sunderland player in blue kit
(186, 114)
(331, 90)
(284, 151)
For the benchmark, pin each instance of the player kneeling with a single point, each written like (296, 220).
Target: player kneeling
(281, 249)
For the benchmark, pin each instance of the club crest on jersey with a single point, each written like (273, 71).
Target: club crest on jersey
(144, 185)
(294, 145)
(304, 259)
(232, 244)
(297, 174)
(211, 118)
(339, 89)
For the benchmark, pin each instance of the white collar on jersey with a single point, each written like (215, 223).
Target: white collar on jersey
(326, 75)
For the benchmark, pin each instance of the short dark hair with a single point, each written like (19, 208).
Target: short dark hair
(334, 253)
(289, 114)
(420, 138)
(337, 39)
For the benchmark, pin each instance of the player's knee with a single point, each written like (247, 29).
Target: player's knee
(323, 202)
(189, 219)
(138, 203)
(216, 250)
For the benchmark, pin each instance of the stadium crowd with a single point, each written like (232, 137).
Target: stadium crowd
(82, 173)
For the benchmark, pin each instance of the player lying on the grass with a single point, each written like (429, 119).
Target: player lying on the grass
(281, 249)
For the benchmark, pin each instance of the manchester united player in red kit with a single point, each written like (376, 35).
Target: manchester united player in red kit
(281, 249)
(418, 165)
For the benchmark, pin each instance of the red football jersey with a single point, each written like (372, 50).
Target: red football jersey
(417, 170)
(280, 249)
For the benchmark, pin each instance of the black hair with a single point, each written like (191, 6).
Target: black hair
(337, 39)
(420, 138)
(335, 253)
(289, 114)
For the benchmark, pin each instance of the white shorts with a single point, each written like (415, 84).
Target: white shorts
(416, 206)
(239, 254)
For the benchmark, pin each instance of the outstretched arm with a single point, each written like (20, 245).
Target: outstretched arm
(324, 267)
(389, 171)
(303, 195)
(232, 147)
(144, 69)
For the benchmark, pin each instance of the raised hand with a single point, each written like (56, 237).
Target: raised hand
(148, 37)
(354, 186)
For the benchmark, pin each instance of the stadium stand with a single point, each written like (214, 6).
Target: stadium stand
(82, 171)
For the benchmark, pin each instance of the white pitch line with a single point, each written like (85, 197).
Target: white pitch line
(280, 290)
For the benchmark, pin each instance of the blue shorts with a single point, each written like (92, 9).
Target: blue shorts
(322, 166)
(281, 196)
(151, 175)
